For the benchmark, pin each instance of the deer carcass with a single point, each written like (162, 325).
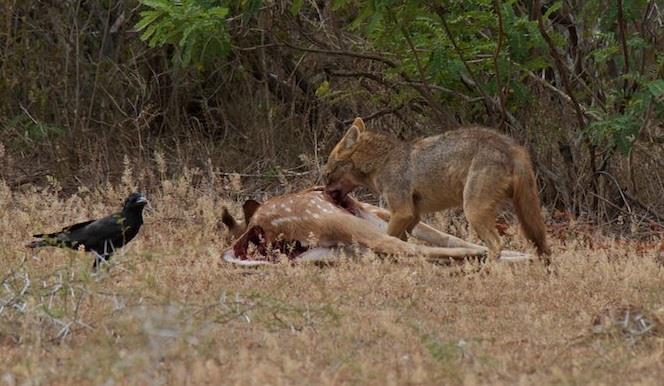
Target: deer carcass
(312, 226)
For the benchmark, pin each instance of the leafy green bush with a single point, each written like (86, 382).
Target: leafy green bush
(501, 48)
(196, 28)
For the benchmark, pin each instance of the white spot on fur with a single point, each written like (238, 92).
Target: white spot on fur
(285, 220)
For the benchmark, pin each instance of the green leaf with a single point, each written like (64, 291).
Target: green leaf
(250, 9)
(164, 5)
(147, 17)
(219, 12)
(553, 8)
(537, 63)
(637, 42)
(656, 87)
(187, 25)
(185, 57)
(323, 89)
(148, 34)
(296, 7)
(186, 34)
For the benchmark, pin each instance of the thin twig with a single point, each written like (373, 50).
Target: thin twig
(259, 175)
(560, 92)
(426, 90)
(620, 189)
(440, 11)
(625, 50)
(496, 56)
(562, 70)
(353, 54)
(377, 114)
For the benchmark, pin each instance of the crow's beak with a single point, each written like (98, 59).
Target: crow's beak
(143, 200)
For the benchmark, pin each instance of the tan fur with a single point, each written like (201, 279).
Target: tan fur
(233, 226)
(310, 217)
(474, 168)
(316, 222)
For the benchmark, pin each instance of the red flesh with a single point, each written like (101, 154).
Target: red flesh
(256, 235)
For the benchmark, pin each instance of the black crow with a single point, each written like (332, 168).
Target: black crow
(103, 236)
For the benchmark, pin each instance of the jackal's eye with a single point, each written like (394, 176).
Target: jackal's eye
(339, 166)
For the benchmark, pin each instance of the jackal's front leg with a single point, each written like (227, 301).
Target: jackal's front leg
(381, 217)
(399, 223)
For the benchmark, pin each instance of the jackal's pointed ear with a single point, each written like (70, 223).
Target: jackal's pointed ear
(249, 208)
(351, 137)
(359, 123)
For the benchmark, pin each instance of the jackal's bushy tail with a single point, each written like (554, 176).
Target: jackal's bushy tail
(527, 203)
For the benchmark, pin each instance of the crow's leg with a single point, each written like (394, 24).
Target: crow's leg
(110, 245)
(109, 250)
(97, 262)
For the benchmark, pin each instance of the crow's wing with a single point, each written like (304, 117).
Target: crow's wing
(65, 229)
(94, 234)
(102, 236)
(61, 238)
(80, 225)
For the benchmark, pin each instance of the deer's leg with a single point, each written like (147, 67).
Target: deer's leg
(424, 232)
(420, 230)
(325, 254)
(432, 235)
(393, 246)
(229, 257)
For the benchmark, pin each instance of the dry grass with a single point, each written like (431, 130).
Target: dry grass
(167, 313)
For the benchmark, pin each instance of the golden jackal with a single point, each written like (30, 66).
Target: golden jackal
(476, 168)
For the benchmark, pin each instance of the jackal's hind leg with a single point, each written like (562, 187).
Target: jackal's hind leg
(485, 189)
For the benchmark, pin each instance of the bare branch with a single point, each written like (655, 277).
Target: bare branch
(560, 65)
(377, 114)
(501, 94)
(426, 90)
(560, 92)
(440, 11)
(353, 54)
(623, 43)
(564, 75)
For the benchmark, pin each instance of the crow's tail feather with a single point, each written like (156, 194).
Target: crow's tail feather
(37, 243)
(45, 240)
